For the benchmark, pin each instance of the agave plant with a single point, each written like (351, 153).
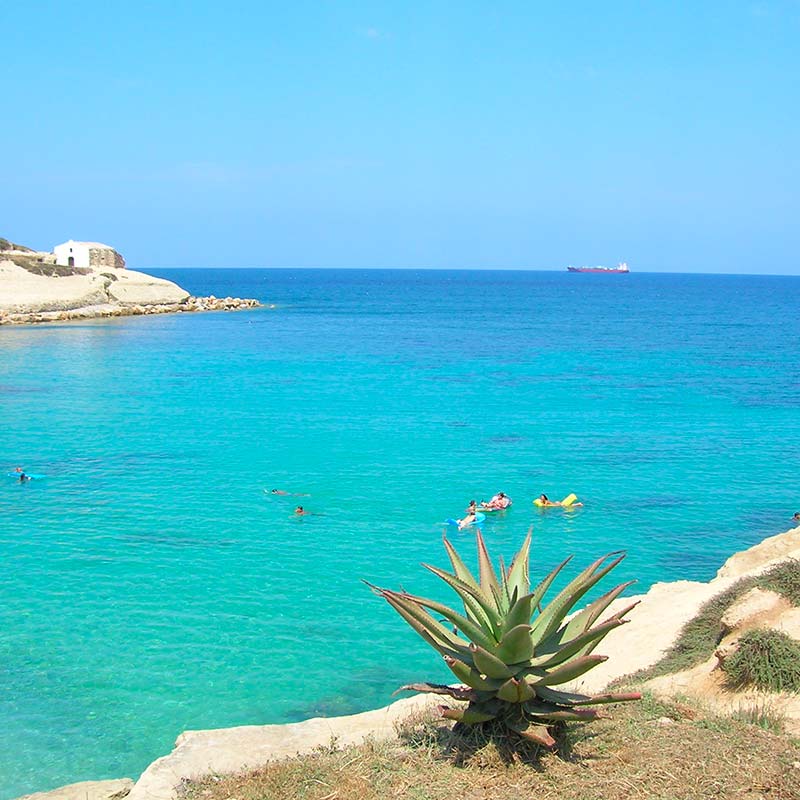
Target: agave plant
(507, 650)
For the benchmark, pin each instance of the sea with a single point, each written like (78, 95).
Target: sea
(152, 582)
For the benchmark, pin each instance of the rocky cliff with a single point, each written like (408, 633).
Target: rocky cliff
(34, 289)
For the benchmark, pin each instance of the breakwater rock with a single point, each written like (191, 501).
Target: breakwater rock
(29, 295)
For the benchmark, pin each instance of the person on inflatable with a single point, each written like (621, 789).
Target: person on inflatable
(546, 501)
(468, 520)
(500, 500)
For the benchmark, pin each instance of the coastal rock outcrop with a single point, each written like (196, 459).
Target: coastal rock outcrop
(87, 790)
(46, 293)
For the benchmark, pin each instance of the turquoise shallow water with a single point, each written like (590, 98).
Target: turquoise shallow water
(151, 585)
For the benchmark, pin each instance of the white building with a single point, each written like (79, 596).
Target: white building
(87, 254)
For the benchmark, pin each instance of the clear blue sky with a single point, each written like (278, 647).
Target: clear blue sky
(413, 134)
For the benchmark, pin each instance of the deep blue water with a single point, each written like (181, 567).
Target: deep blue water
(151, 585)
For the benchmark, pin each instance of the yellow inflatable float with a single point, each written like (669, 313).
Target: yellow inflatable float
(568, 501)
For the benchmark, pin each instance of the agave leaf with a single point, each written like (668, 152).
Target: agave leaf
(568, 672)
(514, 691)
(476, 605)
(542, 588)
(459, 567)
(505, 594)
(583, 620)
(471, 677)
(533, 732)
(472, 631)
(469, 716)
(518, 577)
(552, 616)
(519, 614)
(458, 692)
(551, 653)
(489, 584)
(589, 648)
(516, 646)
(434, 633)
(624, 611)
(566, 714)
(574, 699)
(489, 664)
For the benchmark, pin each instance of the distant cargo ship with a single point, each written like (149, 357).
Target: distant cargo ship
(622, 267)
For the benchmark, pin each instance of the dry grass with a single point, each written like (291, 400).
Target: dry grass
(635, 755)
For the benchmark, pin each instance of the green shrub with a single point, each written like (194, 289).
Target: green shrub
(766, 659)
(783, 579)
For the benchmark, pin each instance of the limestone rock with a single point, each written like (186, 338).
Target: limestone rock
(762, 555)
(789, 623)
(87, 790)
(30, 296)
(136, 288)
(200, 753)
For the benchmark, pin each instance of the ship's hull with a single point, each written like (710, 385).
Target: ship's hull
(599, 269)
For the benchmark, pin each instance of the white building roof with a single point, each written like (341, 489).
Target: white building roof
(87, 244)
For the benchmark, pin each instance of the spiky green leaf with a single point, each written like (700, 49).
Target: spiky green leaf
(471, 677)
(568, 672)
(478, 608)
(516, 646)
(552, 652)
(489, 664)
(514, 691)
(553, 615)
(488, 577)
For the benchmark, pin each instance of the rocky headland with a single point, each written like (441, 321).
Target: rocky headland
(34, 288)
(656, 625)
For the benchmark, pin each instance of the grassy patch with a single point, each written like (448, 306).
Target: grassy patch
(632, 754)
(765, 659)
(783, 579)
(35, 265)
(762, 715)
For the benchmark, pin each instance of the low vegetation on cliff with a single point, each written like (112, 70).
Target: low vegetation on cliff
(701, 635)
(6, 245)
